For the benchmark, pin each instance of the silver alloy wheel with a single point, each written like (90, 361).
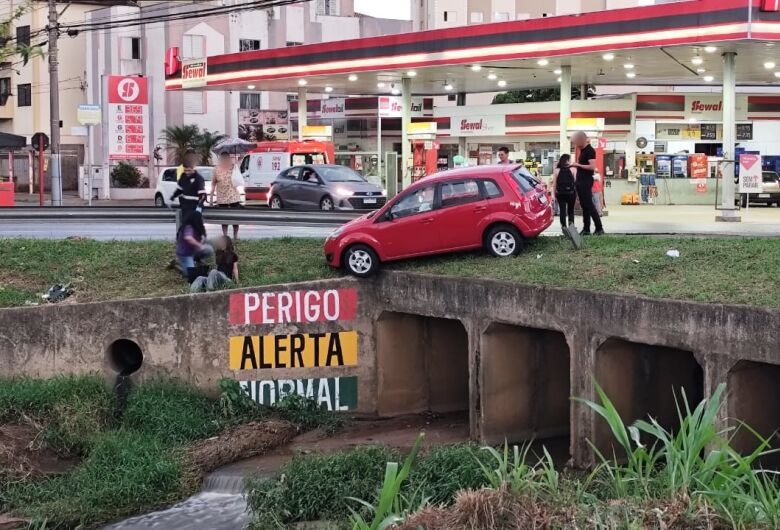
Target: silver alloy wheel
(276, 203)
(503, 243)
(360, 261)
(327, 203)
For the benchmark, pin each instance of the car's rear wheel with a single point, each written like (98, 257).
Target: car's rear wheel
(276, 203)
(503, 241)
(159, 201)
(326, 203)
(744, 201)
(361, 261)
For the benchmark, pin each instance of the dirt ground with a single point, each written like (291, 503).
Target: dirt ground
(22, 454)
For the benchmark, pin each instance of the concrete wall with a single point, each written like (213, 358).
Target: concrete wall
(440, 344)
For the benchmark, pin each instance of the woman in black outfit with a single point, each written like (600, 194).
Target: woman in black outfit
(564, 190)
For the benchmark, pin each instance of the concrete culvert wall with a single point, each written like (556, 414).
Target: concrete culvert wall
(125, 356)
(525, 384)
(754, 398)
(642, 380)
(422, 365)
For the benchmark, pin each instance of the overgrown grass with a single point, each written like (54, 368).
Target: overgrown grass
(132, 462)
(686, 478)
(101, 270)
(704, 271)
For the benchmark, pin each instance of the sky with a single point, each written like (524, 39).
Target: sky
(398, 9)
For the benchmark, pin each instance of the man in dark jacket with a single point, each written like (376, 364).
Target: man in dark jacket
(191, 189)
(586, 166)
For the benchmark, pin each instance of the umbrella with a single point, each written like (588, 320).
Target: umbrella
(234, 146)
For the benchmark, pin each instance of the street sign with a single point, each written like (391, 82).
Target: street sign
(89, 114)
(750, 173)
(36, 141)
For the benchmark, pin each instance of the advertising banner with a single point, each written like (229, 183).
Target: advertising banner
(333, 108)
(193, 73)
(127, 118)
(492, 125)
(255, 125)
(750, 173)
(391, 106)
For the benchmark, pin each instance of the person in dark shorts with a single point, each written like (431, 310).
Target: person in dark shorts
(226, 272)
(222, 186)
(586, 165)
(564, 190)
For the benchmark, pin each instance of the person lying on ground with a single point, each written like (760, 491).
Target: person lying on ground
(226, 272)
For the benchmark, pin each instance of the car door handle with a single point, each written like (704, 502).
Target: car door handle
(480, 208)
(428, 220)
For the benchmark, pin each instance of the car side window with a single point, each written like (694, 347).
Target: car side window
(417, 201)
(308, 175)
(455, 192)
(169, 175)
(492, 191)
(292, 173)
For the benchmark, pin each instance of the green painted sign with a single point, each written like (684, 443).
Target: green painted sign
(332, 393)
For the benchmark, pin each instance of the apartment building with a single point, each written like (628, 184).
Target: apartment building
(141, 49)
(25, 90)
(435, 14)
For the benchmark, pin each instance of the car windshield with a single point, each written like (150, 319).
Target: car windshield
(340, 174)
(206, 172)
(525, 182)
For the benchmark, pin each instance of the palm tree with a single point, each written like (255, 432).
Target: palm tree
(179, 138)
(205, 144)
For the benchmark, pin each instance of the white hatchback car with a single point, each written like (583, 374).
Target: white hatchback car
(166, 185)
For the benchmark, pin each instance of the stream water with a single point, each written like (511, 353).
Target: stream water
(219, 506)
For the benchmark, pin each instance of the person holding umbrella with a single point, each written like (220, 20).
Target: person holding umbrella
(227, 195)
(226, 181)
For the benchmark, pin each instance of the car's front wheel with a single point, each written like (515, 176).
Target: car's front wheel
(275, 203)
(504, 241)
(361, 261)
(159, 201)
(326, 203)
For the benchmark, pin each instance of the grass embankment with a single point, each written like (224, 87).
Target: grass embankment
(126, 463)
(687, 479)
(723, 270)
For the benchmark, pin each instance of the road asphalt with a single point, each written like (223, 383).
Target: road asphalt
(693, 220)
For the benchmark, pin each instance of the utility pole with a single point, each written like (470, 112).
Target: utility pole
(54, 102)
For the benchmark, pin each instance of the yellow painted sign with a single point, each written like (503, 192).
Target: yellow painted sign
(298, 350)
(585, 124)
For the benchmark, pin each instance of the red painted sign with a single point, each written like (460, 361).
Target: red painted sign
(172, 63)
(287, 307)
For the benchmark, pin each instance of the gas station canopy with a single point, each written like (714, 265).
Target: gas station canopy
(677, 43)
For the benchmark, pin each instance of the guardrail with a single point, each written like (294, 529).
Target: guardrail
(210, 215)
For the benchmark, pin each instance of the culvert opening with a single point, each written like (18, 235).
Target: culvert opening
(422, 365)
(642, 380)
(125, 357)
(525, 386)
(754, 399)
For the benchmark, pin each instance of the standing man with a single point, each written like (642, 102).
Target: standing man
(503, 155)
(586, 166)
(191, 190)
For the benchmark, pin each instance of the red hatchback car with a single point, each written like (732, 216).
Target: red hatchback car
(495, 207)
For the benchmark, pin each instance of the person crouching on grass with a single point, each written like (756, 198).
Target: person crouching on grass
(226, 272)
(191, 246)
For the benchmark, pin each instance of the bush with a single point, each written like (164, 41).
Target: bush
(444, 470)
(307, 414)
(316, 487)
(172, 412)
(125, 175)
(124, 473)
(70, 409)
